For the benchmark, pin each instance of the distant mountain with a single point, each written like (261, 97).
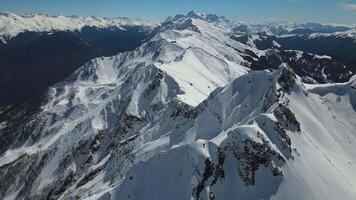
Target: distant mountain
(12, 24)
(333, 40)
(283, 28)
(39, 50)
(192, 113)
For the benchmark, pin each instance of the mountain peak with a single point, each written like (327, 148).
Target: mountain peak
(193, 14)
(201, 16)
(207, 17)
(7, 14)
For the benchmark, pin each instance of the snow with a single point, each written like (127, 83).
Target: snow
(316, 144)
(202, 62)
(327, 139)
(321, 141)
(343, 34)
(299, 54)
(12, 24)
(285, 29)
(322, 57)
(276, 44)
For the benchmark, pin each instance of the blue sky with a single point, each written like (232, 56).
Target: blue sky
(326, 11)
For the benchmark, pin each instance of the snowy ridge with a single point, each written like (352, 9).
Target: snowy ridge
(285, 28)
(12, 24)
(196, 71)
(244, 127)
(341, 34)
(112, 94)
(181, 117)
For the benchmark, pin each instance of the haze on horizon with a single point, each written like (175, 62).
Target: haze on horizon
(255, 11)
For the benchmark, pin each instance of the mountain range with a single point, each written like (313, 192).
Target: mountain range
(201, 108)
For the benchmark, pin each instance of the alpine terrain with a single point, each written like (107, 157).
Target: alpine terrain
(40, 50)
(205, 108)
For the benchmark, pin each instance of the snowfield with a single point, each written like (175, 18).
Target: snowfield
(182, 117)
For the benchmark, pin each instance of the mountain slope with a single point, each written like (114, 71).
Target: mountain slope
(44, 50)
(255, 140)
(181, 117)
(107, 95)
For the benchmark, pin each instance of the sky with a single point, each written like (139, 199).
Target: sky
(324, 11)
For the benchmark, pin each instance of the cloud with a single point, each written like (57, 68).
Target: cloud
(348, 6)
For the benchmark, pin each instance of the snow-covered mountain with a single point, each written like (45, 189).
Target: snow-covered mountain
(12, 24)
(40, 50)
(183, 116)
(332, 40)
(285, 28)
(317, 52)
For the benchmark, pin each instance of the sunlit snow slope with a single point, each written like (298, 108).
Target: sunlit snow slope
(181, 118)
